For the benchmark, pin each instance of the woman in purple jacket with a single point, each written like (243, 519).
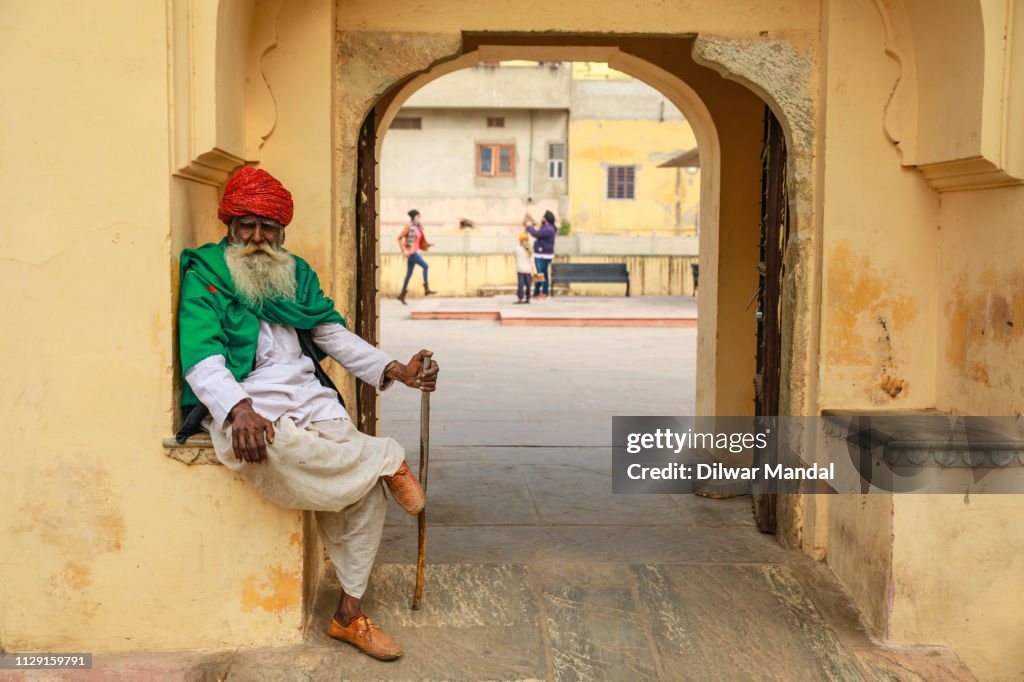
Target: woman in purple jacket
(543, 250)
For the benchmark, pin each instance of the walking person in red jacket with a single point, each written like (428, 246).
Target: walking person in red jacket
(412, 241)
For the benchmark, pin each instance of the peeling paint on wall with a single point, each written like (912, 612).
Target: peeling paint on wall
(983, 320)
(72, 508)
(276, 592)
(864, 322)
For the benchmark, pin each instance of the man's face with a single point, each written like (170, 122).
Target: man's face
(254, 230)
(260, 268)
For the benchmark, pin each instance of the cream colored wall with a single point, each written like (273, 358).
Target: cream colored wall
(596, 144)
(434, 169)
(524, 85)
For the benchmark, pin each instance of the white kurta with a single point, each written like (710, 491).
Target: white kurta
(318, 460)
(282, 383)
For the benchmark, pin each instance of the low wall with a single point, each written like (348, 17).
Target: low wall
(504, 240)
(464, 274)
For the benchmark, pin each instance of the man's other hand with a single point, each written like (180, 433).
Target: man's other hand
(412, 374)
(250, 433)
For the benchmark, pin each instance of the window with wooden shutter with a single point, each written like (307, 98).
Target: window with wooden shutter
(621, 182)
(496, 160)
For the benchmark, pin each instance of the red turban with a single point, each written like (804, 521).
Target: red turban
(255, 191)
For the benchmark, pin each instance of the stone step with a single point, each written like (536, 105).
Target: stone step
(491, 290)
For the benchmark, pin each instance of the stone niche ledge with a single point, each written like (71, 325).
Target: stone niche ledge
(196, 450)
(934, 439)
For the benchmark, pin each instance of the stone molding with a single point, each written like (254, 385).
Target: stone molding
(954, 455)
(934, 440)
(776, 70)
(196, 450)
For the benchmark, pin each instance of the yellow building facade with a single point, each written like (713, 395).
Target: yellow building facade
(906, 156)
(658, 200)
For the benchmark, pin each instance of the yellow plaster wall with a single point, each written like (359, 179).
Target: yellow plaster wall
(980, 354)
(109, 544)
(880, 226)
(596, 144)
(958, 578)
(979, 365)
(920, 296)
(583, 16)
(95, 515)
(877, 311)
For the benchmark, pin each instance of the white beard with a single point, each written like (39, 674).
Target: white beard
(261, 273)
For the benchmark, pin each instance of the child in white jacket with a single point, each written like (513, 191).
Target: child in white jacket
(525, 268)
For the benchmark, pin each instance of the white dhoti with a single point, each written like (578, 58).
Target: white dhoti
(330, 468)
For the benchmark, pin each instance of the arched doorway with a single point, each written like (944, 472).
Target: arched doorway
(734, 346)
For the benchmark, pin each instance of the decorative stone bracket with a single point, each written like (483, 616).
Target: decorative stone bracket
(935, 439)
(196, 450)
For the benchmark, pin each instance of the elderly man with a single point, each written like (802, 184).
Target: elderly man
(253, 323)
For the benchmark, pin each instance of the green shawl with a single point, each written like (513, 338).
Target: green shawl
(212, 320)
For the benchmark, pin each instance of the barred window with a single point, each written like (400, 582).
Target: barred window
(556, 161)
(495, 121)
(621, 182)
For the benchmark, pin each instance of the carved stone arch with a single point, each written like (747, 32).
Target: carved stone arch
(781, 75)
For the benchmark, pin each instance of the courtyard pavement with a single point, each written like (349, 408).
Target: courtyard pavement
(537, 571)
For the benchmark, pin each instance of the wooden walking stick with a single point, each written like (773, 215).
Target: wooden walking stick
(421, 554)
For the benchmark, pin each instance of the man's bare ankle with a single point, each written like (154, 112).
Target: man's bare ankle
(348, 608)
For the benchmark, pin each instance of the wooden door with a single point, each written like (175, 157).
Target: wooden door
(774, 232)
(366, 264)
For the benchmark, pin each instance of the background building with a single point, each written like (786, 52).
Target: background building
(485, 145)
(478, 149)
(621, 131)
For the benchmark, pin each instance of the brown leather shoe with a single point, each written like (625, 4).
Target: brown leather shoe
(406, 490)
(364, 634)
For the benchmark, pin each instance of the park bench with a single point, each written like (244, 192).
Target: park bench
(586, 273)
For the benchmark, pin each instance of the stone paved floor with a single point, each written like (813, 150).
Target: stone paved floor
(536, 571)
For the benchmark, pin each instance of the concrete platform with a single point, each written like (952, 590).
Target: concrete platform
(564, 311)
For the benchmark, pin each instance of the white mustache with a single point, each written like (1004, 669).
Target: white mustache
(264, 248)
